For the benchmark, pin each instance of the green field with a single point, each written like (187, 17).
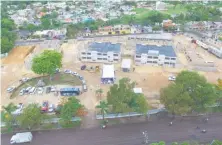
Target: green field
(175, 10)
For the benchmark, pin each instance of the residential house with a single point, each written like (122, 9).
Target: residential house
(101, 52)
(160, 6)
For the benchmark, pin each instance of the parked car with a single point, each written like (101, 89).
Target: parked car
(22, 92)
(53, 89)
(81, 78)
(24, 80)
(67, 71)
(27, 89)
(32, 90)
(84, 82)
(171, 78)
(74, 73)
(48, 90)
(51, 108)
(83, 67)
(40, 90)
(45, 106)
(10, 89)
(85, 88)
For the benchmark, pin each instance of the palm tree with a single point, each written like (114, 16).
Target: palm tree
(103, 106)
(99, 93)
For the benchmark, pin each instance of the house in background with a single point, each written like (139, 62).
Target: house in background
(160, 6)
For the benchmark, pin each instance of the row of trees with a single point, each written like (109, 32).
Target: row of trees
(8, 35)
(190, 93)
(32, 117)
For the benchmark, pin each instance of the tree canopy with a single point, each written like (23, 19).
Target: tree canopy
(123, 99)
(103, 106)
(190, 92)
(31, 116)
(47, 62)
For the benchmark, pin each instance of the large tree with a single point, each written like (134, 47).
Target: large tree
(123, 99)
(103, 106)
(70, 109)
(31, 116)
(47, 62)
(190, 92)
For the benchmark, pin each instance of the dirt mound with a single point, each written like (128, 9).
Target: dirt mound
(17, 55)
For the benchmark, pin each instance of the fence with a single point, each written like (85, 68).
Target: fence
(52, 120)
(130, 114)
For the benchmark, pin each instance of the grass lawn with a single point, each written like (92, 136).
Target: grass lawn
(60, 78)
(177, 10)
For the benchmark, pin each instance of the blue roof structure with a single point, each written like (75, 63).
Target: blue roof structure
(104, 47)
(69, 89)
(163, 50)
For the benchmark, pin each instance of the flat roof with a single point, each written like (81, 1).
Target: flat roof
(104, 47)
(126, 63)
(69, 89)
(108, 71)
(163, 50)
(137, 90)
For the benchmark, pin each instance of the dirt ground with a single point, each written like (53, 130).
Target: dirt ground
(150, 79)
(17, 55)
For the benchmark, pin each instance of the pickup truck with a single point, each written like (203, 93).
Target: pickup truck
(21, 138)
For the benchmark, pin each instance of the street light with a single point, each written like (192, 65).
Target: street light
(146, 139)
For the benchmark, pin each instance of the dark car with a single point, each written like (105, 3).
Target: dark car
(48, 90)
(83, 67)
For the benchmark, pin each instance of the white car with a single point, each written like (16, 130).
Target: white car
(67, 71)
(53, 89)
(25, 79)
(10, 89)
(75, 73)
(40, 90)
(172, 78)
(19, 109)
(22, 92)
(51, 108)
(83, 81)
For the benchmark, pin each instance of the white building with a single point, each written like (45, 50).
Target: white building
(108, 74)
(101, 52)
(155, 55)
(160, 6)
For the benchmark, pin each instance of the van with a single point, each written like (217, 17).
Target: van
(84, 88)
(21, 138)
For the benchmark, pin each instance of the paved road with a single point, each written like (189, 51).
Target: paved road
(130, 134)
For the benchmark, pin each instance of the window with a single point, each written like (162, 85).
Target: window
(88, 57)
(83, 53)
(104, 58)
(167, 58)
(155, 57)
(137, 56)
(89, 53)
(173, 58)
(154, 61)
(83, 57)
(105, 54)
(149, 61)
(98, 53)
(149, 56)
(166, 62)
(115, 54)
(100, 59)
(116, 59)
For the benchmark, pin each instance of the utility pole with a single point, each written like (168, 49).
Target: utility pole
(146, 139)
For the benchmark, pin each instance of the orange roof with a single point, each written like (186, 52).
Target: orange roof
(42, 14)
(68, 20)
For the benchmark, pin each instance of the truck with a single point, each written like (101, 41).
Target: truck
(21, 138)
